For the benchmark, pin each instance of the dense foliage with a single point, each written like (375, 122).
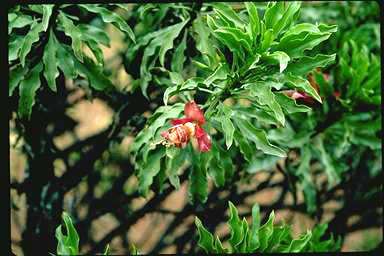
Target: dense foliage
(285, 88)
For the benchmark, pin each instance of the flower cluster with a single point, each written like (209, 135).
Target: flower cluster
(187, 128)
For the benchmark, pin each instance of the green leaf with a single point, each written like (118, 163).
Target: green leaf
(47, 12)
(226, 124)
(74, 32)
(289, 104)
(298, 29)
(254, 235)
(95, 33)
(298, 244)
(216, 170)
(111, 17)
(277, 57)
(94, 74)
(262, 90)
(261, 162)
(295, 46)
(254, 20)
(301, 83)
(191, 84)
(106, 250)
(259, 137)
(203, 42)
(30, 38)
(287, 17)
(244, 146)
(219, 247)
(14, 46)
(267, 40)
(241, 37)
(206, 240)
(266, 231)
(27, 91)
(50, 62)
(66, 61)
(235, 226)
(273, 13)
(307, 64)
(178, 57)
(67, 244)
(150, 170)
(227, 11)
(198, 183)
(18, 21)
(15, 76)
(94, 47)
(220, 73)
(174, 164)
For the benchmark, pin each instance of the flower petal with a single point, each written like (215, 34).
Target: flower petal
(181, 121)
(204, 143)
(191, 110)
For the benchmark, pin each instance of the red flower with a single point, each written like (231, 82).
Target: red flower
(186, 128)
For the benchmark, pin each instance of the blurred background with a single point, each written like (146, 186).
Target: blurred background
(104, 205)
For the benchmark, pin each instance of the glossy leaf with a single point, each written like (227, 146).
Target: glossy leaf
(206, 240)
(66, 61)
(15, 76)
(307, 64)
(74, 32)
(277, 57)
(266, 231)
(150, 170)
(50, 61)
(111, 17)
(67, 244)
(289, 104)
(259, 137)
(18, 21)
(303, 84)
(235, 226)
(265, 96)
(95, 33)
(198, 182)
(47, 12)
(254, 241)
(27, 91)
(178, 58)
(30, 38)
(254, 20)
(227, 125)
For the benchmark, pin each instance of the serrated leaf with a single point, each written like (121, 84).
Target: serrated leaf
(190, 84)
(47, 12)
(203, 43)
(74, 32)
(14, 46)
(254, 235)
(259, 137)
(298, 82)
(67, 244)
(262, 90)
(219, 247)
(178, 57)
(226, 124)
(266, 231)
(111, 17)
(296, 46)
(287, 17)
(235, 226)
(198, 183)
(227, 11)
(220, 73)
(66, 61)
(306, 64)
(50, 62)
(95, 33)
(30, 38)
(94, 74)
(299, 28)
(277, 57)
(206, 240)
(27, 91)
(150, 170)
(15, 76)
(244, 146)
(267, 40)
(18, 21)
(254, 20)
(290, 104)
(298, 244)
